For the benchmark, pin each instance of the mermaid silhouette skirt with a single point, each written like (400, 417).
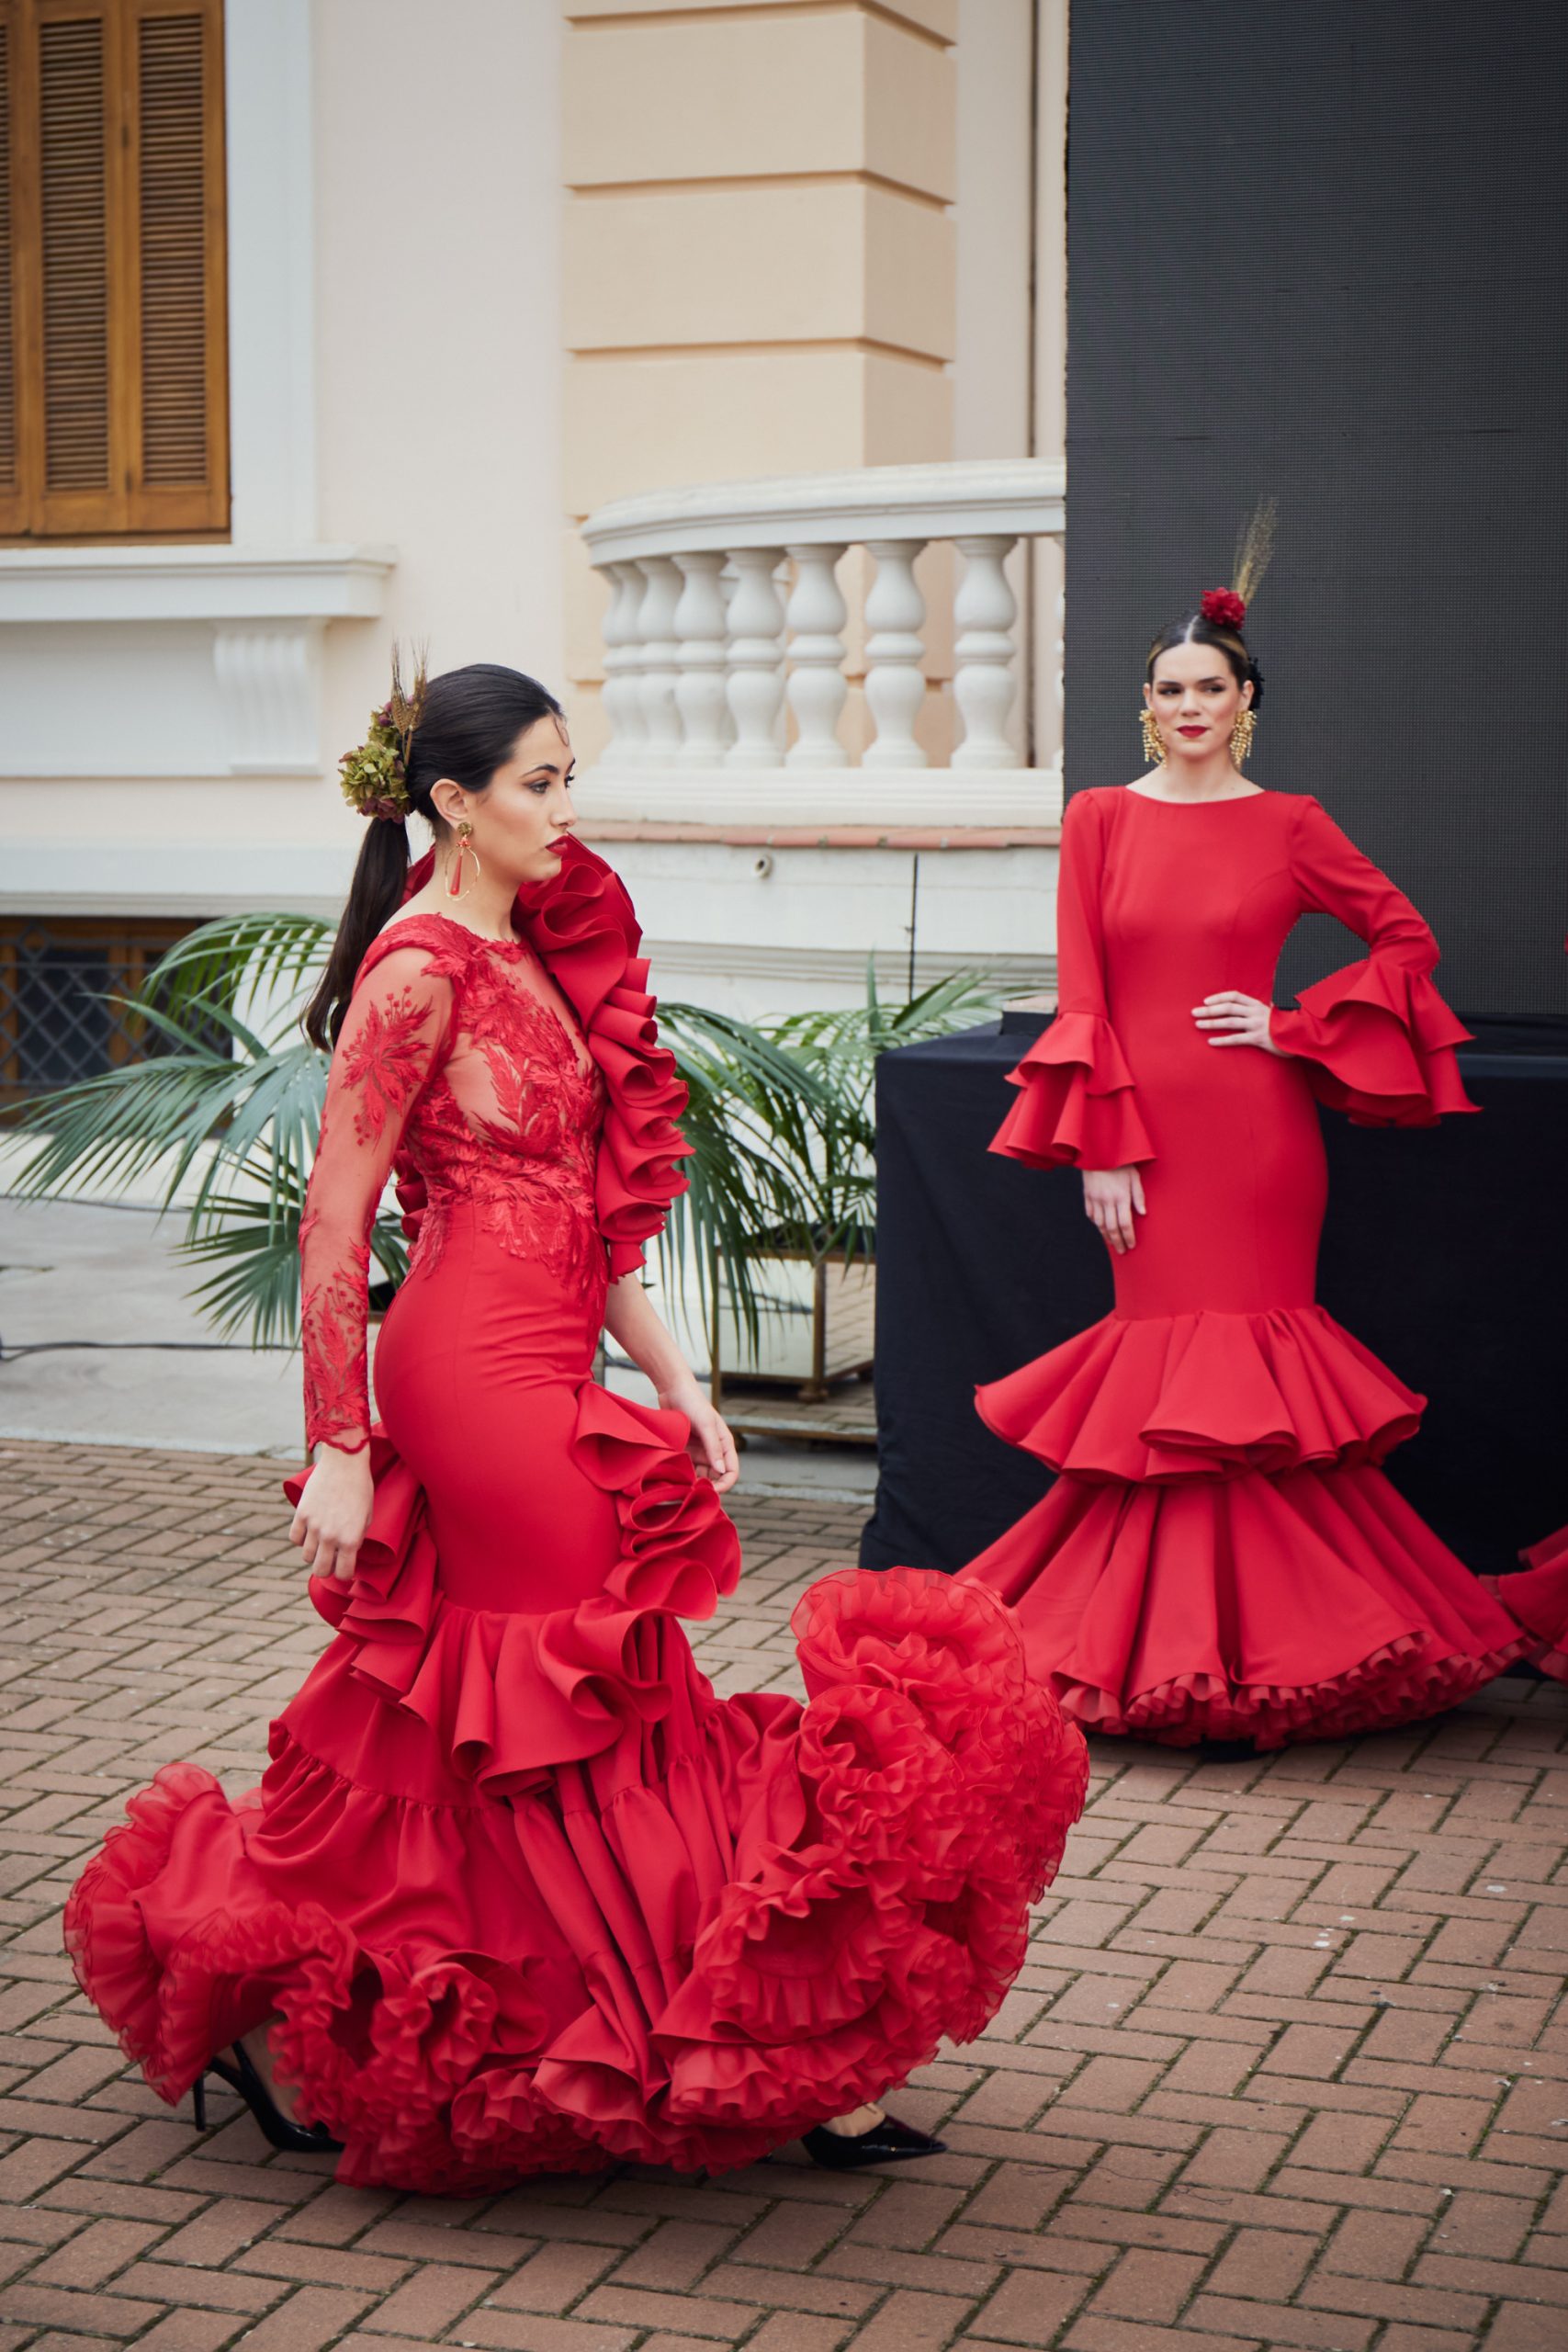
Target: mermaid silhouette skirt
(522, 1893)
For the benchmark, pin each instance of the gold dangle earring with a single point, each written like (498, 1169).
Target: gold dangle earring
(1242, 734)
(464, 835)
(1154, 741)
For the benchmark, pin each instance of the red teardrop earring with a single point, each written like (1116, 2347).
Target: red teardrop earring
(465, 834)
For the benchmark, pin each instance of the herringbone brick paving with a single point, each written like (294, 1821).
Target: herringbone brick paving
(1287, 2065)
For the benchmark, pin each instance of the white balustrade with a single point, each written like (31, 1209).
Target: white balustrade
(702, 631)
(983, 683)
(756, 660)
(622, 667)
(817, 687)
(726, 641)
(659, 675)
(894, 654)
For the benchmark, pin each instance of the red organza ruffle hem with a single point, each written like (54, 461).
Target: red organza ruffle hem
(1075, 1105)
(694, 1930)
(1378, 1042)
(1537, 1598)
(1302, 1607)
(1203, 1396)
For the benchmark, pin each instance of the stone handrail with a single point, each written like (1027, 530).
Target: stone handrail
(725, 651)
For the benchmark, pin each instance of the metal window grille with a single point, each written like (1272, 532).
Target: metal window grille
(60, 978)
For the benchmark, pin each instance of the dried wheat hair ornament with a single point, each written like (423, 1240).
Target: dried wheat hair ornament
(373, 775)
(1226, 608)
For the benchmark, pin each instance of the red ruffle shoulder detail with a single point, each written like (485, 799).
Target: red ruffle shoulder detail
(582, 927)
(1203, 1396)
(508, 1695)
(1075, 1105)
(1378, 1042)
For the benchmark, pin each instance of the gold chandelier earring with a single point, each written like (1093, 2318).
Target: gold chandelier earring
(1242, 734)
(464, 833)
(1154, 741)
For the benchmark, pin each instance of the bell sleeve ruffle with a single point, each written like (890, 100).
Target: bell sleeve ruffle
(1379, 1043)
(1376, 1037)
(1077, 1105)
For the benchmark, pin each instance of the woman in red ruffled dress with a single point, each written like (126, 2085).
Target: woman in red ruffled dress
(1221, 1556)
(517, 1892)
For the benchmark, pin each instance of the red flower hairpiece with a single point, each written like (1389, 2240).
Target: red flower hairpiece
(1224, 607)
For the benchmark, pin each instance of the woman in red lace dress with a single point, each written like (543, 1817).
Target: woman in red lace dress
(1221, 1556)
(517, 1892)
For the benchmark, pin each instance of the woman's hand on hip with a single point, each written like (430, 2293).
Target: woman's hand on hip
(334, 1512)
(1232, 1019)
(711, 1446)
(1112, 1197)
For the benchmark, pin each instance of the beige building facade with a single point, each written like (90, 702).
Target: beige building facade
(705, 360)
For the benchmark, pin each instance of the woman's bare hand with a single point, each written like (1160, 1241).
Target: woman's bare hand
(1112, 1198)
(334, 1512)
(1236, 1020)
(712, 1447)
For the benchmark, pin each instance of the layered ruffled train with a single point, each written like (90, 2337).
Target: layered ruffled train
(1221, 1557)
(526, 1896)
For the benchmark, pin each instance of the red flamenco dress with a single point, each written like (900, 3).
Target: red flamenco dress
(524, 1895)
(1221, 1556)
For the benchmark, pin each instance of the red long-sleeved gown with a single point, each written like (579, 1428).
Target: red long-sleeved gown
(524, 1894)
(1221, 1555)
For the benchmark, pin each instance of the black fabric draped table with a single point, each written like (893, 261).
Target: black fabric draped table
(1445, 1250)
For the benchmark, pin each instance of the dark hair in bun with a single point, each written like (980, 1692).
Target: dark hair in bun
(1197, 628)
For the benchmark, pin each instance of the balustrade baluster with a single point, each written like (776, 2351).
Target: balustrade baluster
(702, 629)
(984, 681)
(756, 667)
(818, 687)
(656, 687)
(895, 683)
(621, 693)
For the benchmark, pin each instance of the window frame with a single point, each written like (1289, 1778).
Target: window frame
(128, 507)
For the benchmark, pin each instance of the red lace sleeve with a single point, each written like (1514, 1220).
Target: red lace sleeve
(397, 1025)
(1075, 1105)
(1377, 1038)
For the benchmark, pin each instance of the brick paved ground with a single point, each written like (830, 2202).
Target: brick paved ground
(1287, 2065)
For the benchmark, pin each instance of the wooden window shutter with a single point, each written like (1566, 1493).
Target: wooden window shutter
(116, 268)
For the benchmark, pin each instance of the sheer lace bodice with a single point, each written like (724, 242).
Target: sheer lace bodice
(460, 1063)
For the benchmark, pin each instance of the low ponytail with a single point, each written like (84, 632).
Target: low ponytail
(464, 725)
(374, 897)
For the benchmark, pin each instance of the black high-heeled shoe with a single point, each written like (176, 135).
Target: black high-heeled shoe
(298, 2139)
(887, 2142)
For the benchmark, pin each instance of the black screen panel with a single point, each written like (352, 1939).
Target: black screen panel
(1319, 252)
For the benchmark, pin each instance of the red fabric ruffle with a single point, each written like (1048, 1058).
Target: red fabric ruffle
(1309, 1606)
(1378, 1042)
(1075, 1105)
(1203, 1396)
(583, 928)
(648, 1924)
(1537, 1598)
(507, 1694)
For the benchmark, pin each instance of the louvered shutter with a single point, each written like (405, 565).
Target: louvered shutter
(117, 261)
(179, 455)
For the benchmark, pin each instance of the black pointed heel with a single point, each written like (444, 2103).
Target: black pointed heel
(198, 2101)
(887, 2142)
(298, 2139)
